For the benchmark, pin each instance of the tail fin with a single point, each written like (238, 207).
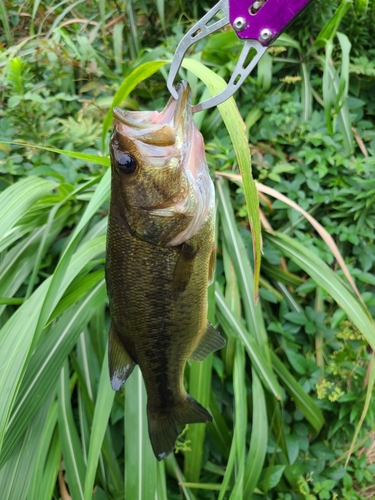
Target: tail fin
(163, 427)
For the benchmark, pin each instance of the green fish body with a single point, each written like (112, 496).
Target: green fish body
(160, 261)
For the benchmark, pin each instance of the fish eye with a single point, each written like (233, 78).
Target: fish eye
(127, 163)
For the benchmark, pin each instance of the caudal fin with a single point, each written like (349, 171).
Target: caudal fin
(163, 427)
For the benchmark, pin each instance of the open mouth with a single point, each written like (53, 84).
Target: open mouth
(146, 122)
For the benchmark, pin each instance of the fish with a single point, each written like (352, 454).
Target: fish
(160, 260)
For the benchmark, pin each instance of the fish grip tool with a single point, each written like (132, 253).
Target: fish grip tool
(257, 22)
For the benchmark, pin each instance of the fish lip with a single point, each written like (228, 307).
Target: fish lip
(118, 115)
(183, 106)
(174, 111)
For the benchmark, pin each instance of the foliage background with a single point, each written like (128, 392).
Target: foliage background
(291, 393)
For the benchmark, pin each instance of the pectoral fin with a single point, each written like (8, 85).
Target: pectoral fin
(120, 363)
(183, 269)
(212, 267)
(211, 341)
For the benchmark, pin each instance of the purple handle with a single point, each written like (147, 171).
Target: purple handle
(266, 23)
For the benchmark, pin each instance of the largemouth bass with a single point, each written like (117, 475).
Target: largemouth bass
(160, 260)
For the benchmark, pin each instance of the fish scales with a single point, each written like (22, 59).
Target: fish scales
(158, 267)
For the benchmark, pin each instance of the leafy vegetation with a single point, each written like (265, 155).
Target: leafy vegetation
(291, 393)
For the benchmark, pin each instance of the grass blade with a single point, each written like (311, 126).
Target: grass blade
(323, 233)
(232, 326)
(102, 412)
(306, 95)
(4, 17)
(46, 364)
(141, 73)
(259, 438)
(242, 267)
(15, 342)
(369, 393)
(327, 279)
(303, 401)
(240, 412)
(140, 462)
(237, 131)
(199, 389)
(100, 160)
(70, 442)
(17, 199)
(41, 459)
(16, 475)
(161, 12)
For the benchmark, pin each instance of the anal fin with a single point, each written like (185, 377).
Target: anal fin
(121, 364)
(211, 341)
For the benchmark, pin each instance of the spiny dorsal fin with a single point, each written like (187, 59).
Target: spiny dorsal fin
(163, 426)
(120, 363)
(211, 341)
(183, 269)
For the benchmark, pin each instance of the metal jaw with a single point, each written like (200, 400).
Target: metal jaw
(240, 73)
(257, 22)
(201, 30)
(197, 32)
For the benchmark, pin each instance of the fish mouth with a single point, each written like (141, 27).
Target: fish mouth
(152, 126)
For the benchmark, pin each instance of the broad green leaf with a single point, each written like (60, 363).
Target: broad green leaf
(140, 461)
(141, 73)
(242, 267)
(52, 467)
(60, 278)
(228, 471)
(161, 493)
(76, 291)
(4, 17)
(87, 367)
(41, 460)
(46, 363)
(70, 442)
(218, 429)
(15, 342)
(259, 438)
(287, 40)
(20, 261)
(328, 32)
(236, 129)
(174, 470)
(18, 198)
(257, 358)
(240, 407)
(199, 389)
(102, 412)
(271, 477)
(303, 401)
(327, 279)
(16, 474)
(14, 354)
